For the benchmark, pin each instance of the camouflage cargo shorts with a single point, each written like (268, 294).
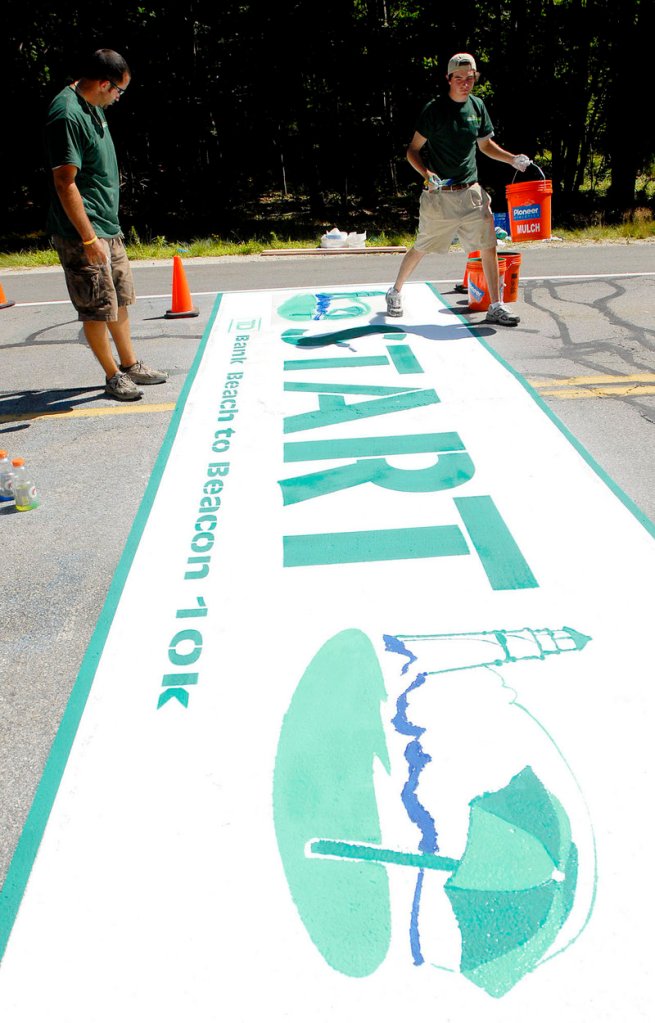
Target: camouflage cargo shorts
(96, 290)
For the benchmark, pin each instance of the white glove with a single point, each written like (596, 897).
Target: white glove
(434, 183)
(521, 162)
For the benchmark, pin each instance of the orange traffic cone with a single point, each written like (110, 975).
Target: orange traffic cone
(4, 304)
(181, 302)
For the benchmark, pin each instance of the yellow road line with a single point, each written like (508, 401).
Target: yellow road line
(568, 387)
(598, 386)
(644, 378)
(87, 413)
(595, 392)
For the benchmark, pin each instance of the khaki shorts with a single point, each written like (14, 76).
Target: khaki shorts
(96, 290)
(465, 213)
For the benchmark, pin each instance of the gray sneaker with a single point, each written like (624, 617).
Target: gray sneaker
(394, 303)
(122, 388)
(139, 373)
(502, 316)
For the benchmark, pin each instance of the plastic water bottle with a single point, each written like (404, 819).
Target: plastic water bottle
(6, 478)
(25, 494)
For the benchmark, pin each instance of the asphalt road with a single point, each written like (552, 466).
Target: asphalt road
(586, 342)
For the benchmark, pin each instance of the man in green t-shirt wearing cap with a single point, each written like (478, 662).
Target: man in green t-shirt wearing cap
(83, 219)
(443, 151)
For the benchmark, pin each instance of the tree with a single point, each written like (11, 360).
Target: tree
(230, 101)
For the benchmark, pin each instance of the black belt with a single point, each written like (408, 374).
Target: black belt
(457, 188)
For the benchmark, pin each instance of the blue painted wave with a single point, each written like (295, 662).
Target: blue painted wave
(417, 759)
(396, 646)
(322, 305)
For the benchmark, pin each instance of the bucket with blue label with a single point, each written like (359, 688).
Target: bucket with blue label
(528, 204)
(478, 292)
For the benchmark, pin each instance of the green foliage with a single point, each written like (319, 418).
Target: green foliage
(226, 105)
(638, 228)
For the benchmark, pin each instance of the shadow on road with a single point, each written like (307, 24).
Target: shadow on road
(27, 405)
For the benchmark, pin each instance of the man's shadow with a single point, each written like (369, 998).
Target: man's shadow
(19, 408)
(461, 307)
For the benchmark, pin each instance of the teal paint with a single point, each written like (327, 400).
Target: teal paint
(530, 810)
(452, 469)
(501, 558)
(182, 679)
(342, 362)
(514, 888)
(312, 388)
(492, 650)
(333, 409)
(178, 693)
(364, 447)
(404, 359)
(373, 854)
(327, 305)
(494, 647)
(194, 612)
(185, 657)
(298, 335)
(37, 818)
(175, 686)
(330, 740)
(627, 502)
(511, 891)
(374, 545)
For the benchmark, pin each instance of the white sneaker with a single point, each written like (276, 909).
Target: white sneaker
(394, 303)
(502, 316)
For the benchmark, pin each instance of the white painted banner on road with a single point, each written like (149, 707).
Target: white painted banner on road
(365, 728)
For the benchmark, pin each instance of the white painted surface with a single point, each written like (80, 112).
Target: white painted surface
(158, 891)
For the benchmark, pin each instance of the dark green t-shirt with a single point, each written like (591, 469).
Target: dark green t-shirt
(76, 133)
(452, 130)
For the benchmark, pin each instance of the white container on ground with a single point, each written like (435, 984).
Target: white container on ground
(6, 478)
(334, 239)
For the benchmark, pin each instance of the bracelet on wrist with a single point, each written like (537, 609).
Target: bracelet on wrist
(91, 240)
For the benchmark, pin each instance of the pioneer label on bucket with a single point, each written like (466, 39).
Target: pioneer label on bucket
(532, 212)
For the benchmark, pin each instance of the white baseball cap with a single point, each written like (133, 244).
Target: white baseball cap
(461, 60)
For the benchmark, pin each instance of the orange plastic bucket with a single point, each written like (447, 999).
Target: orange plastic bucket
(465, 281)
(479, 297)
(528, 205)
(513, 264)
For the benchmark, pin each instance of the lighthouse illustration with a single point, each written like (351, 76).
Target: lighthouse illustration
(494, 851)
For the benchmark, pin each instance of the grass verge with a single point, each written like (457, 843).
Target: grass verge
(37, 254)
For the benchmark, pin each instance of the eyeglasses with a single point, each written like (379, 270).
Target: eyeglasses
(116, 87)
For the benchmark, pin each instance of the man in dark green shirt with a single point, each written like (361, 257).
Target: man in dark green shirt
(83, 219)
(443, 151)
